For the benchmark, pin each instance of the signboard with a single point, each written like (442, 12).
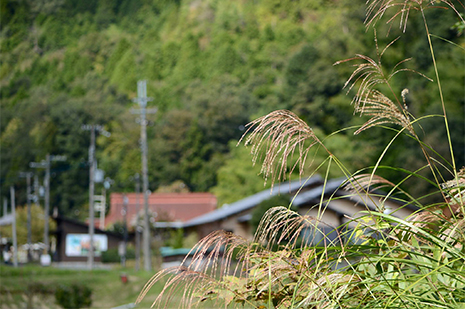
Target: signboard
(79, 244)
(45, 260)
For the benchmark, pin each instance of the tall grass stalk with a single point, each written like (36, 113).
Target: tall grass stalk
(375, 259)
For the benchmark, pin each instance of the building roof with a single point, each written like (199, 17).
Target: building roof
(251, 201)
(61, 220)
(6, 220)
(313, 189)
(334, 186)
(330, 187)
(169, 207)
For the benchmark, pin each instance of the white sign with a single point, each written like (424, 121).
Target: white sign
(79, 244)
(45, 260)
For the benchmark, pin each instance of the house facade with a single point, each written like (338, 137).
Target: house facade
(235, 217)
(72, 241)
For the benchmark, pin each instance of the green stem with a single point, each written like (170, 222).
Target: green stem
(270, 303)
(441, 96)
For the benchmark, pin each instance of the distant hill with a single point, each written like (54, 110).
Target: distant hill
(211, 67)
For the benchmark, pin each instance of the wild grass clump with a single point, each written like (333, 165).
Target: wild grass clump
(376, 259)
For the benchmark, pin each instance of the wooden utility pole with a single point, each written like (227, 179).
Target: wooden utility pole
(36, 196)
(13, 213)
(47, 201)
(29, 197)
(90, 259)
(125, 224)
(46, 164)
(137, 228)
(5, 206)
(29, 218)
(92, 129)
(142, 100)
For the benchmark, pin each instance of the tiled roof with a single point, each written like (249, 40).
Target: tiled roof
(173, 207)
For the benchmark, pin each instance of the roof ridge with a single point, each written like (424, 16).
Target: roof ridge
(250, 201)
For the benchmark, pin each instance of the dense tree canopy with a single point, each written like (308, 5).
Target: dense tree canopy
(211, 67)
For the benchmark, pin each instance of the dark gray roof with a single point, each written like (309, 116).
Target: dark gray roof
(245, 218)
(6, 220)
(252, 201)
(315, 193)
(164, 225)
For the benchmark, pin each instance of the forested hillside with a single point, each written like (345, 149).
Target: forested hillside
(211, 66)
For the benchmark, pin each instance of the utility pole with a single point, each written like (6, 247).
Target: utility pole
(15, 240)
(90, 260)
(125, 223)
(47, 202)
(5, 206)
(137, 227)
(92, 129)
(46, 164)
(29, 197)
(29, 218)
(36, 190)
(142, 100)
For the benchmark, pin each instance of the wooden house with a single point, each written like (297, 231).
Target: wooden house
(306, 195)
(72, 241)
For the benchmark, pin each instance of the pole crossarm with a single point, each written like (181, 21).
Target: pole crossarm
(97, 127)
(57, 158)
(44, 163)
(147, 111)
(41, 164)
(25, 174)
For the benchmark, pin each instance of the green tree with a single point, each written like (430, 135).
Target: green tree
(237, 179)
(258, 211)
(37, 225)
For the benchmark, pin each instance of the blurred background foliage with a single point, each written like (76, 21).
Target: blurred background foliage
(211, 67)
(37, 225)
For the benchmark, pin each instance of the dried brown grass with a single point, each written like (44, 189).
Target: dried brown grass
(362, 183)
(368, 74)
(376, 9)
(382, 111)
(211, 261)
(276, 137)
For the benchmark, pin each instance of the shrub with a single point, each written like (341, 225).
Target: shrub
(73, 296)
(112, 255)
